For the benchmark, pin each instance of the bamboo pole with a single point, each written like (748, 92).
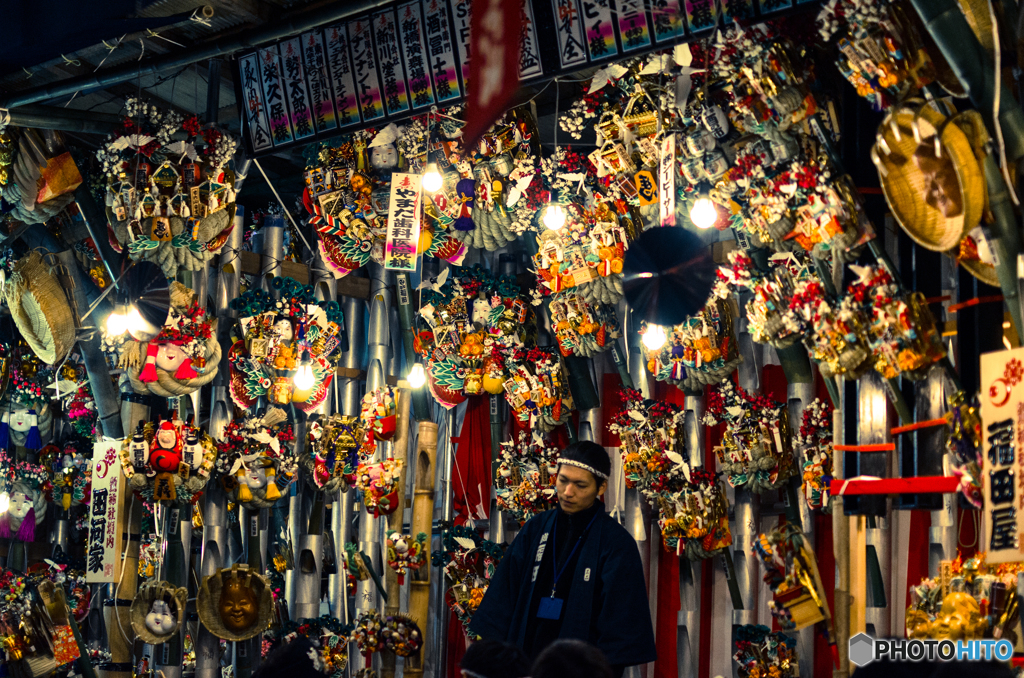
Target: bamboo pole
(395, 521)
(841, 550)
(422, 517)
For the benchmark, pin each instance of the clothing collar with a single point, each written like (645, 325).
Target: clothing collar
(582, 517)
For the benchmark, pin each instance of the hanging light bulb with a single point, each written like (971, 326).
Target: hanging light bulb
(304, 378)
(417, 377)
(554, 216)
(5, 502)
(135, 323)
(655, 337)
(703, 214)
(117, 324)
(432, 179)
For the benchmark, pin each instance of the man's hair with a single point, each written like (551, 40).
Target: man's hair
(571, 659)
(495, 659)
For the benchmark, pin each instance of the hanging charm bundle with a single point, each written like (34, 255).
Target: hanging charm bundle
(537, 388)
(406, 553)
(332, 452)
(524, 481)
(700, 351)
(255, 461)
(169, 461)
(468, 562)
(761, 652)
(791, 572)
(814, 443)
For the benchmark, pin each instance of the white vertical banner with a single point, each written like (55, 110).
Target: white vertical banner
(104, 548)
(1002, 416)
(667, 181)
(403, 223)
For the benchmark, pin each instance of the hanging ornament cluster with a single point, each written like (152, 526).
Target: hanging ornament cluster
(537, 388)
(756, 450)
(406, 553)
(583, 328)
(468, 562)
(964, 444)
(524, 481)
(368, 632)
(169, 198)
(402, 635)
(379, 484)
(69, 473)
(181, 358)
(25, 483)
(332, 452)
(474, 320)
(255, 460)
(26, 413)
(698, 352)
(761, 652)
(814, 444)
(378, 419)
(329, 636)
(692, 508)
(168, 461)
(969, 600)
(289, 348)
(791, 572)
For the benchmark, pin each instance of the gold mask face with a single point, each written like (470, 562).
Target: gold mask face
(238, 606)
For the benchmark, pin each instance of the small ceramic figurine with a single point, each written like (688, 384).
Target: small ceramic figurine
(167, 449)
(161, 620)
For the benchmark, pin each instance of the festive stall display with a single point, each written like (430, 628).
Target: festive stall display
(792, 575)
(969, 600)
(762, 652)
(468, 562)
(524, 481)
(235, 603)
(699, 352)
(332, 452)
(168, 460)
(405, 553)
(756, 451)
(379, 484)
(69, 473)
(255, 460)
(289, 346)
(814, 443)
(377, 419)
(537, 388)
(170, 198)
(474, 321)
(692, 508)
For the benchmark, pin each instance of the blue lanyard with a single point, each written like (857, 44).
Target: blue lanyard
(554, 552)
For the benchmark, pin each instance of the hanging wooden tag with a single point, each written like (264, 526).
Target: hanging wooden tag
(163, 489)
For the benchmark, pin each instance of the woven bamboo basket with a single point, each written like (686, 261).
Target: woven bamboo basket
(40, 309)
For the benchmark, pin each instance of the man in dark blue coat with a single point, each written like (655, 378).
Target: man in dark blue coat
(572, 572)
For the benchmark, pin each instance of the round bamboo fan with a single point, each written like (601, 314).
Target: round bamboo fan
(40, 309)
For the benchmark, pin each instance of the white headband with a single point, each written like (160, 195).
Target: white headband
(585, 467)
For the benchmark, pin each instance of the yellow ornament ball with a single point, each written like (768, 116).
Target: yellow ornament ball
(493, 385)
(425, 241)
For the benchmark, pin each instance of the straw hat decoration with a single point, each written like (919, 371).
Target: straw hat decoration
(157, 611)
(184, 356)
(40, 308)
(929, 174)
(930, 170)
(235, 603)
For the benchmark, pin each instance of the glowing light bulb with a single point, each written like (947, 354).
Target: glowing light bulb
(554, 216)
(703, 214)
(5, 502)
(117, 324)
(304, 378)
(655, 337)
(134, 320)
(417, 377)
(432, 179)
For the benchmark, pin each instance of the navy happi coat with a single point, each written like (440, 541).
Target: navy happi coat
(605, 596)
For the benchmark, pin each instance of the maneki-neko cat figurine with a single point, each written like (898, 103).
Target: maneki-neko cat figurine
(288, 349)
(168, 461)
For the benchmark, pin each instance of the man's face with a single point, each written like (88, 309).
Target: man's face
(578, 489)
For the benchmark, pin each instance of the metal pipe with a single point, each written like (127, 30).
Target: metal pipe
(63, 119)
(271, 236)
(135, 70)
(800, 396)
(172, 570)
(215, 536)
(213, 91)
(406, 318)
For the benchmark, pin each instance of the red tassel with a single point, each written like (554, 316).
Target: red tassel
(185, 370)
(401, 580)
(148, 373)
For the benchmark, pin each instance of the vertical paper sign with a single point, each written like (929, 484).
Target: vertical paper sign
(597, 18)
(701, 14)
(633, 30)
(569, 27)
(367, 85)
(252, 105)
(342, 76)
(737, 9)
(461, 10)
(295, 88)
(441, 51)
(529, 51)
(667, 181)
(389, 61)
(314, 60)
(410, 28)
(668, 19)
(104, 548)
(403, 223)
(273, 95)
(1002, 417)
